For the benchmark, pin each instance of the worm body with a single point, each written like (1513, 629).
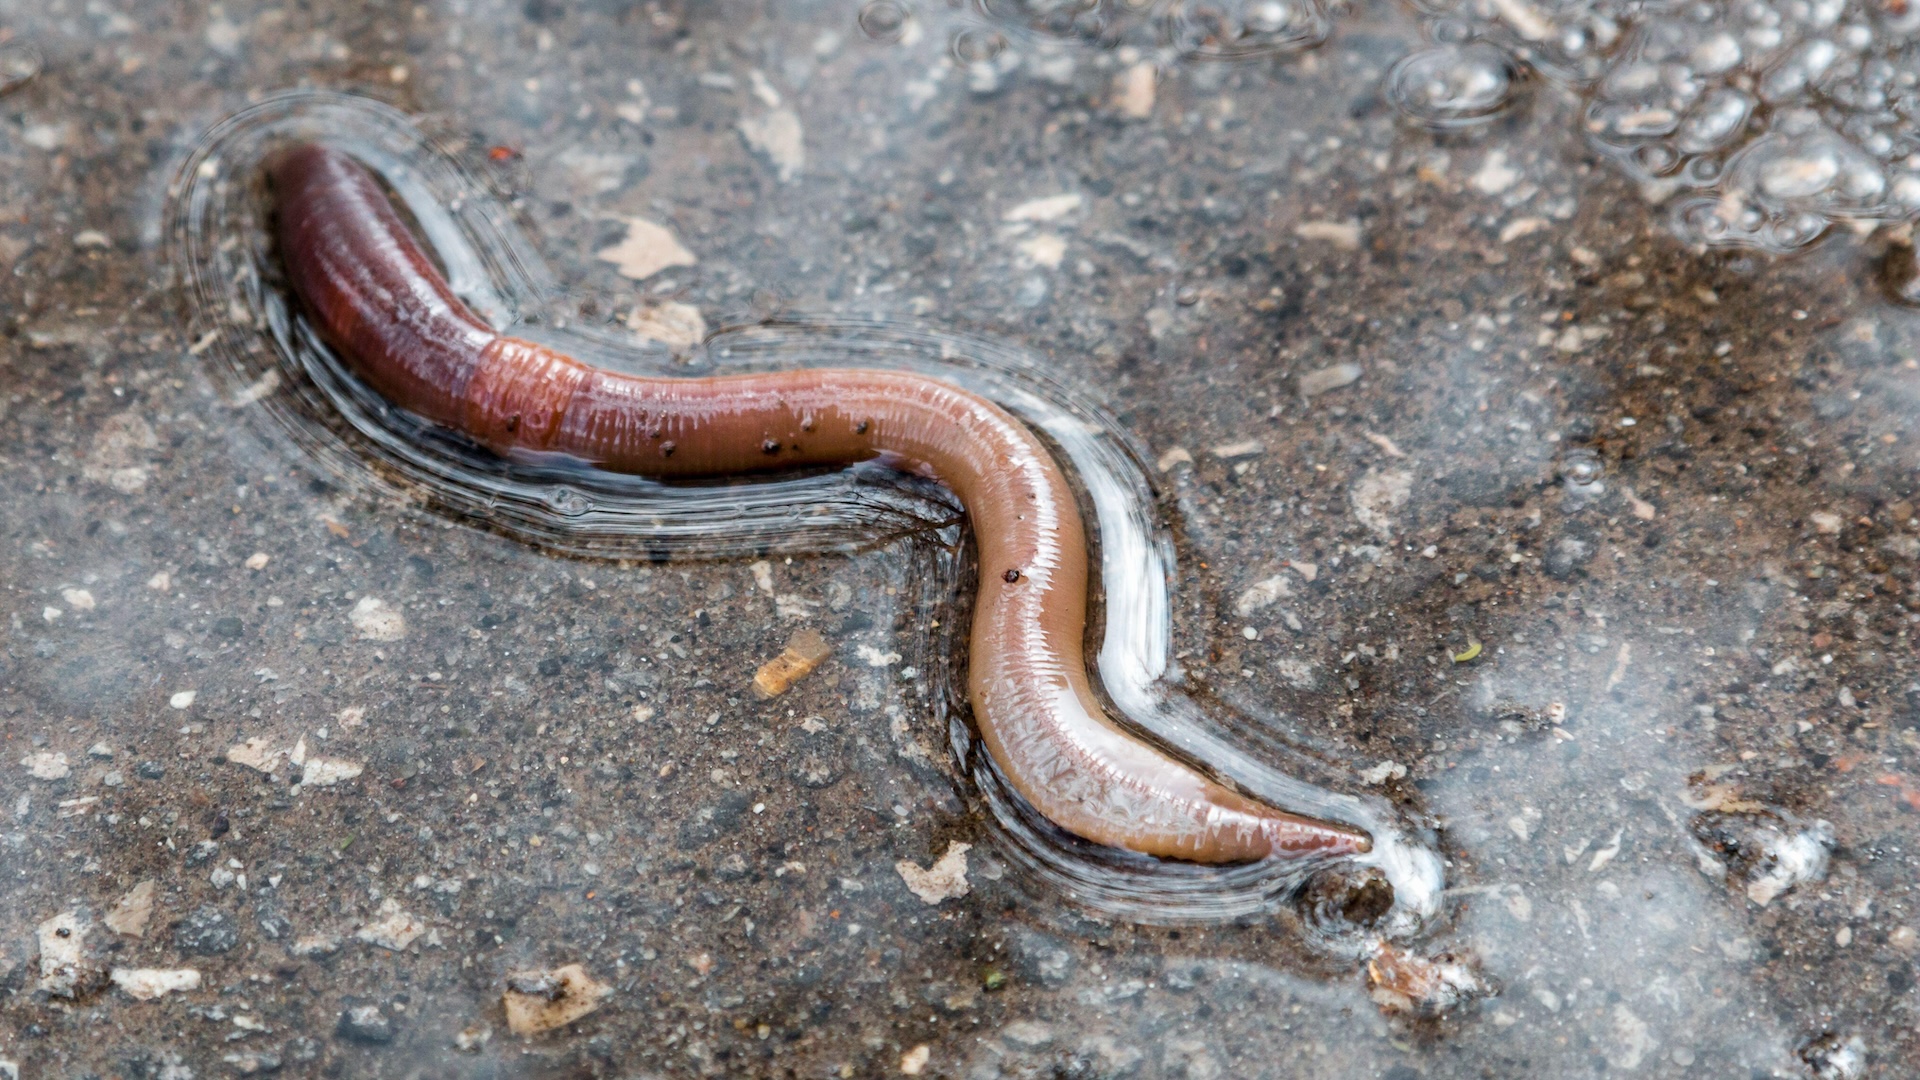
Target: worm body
(381, 304)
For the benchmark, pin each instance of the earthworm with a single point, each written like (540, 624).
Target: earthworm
(377, 300)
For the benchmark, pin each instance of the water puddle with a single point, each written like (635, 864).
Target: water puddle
(1497, 431)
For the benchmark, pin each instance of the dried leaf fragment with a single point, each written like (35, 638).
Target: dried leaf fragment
(130, 915)
(946, 879)
(538, 1001)
(1400, 981)
(646, 250)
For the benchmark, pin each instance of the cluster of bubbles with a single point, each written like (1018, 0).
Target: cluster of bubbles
(1770, 119)
(1791, 116)
(1195, 29)
(1765, 121)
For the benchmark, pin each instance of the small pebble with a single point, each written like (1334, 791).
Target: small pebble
(365, 1024)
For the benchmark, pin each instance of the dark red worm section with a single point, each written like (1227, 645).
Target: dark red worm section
(380, 303)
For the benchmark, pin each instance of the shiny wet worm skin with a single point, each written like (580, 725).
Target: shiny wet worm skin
(379, 302)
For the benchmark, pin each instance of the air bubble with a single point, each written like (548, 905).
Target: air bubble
(977, 46)
(884, 20)
(1243, 29)
(1655, 159)
(569, 502)
(1583, 474)
(1702, 171)
(1448, 87)
(1714, 121)
(19, 65)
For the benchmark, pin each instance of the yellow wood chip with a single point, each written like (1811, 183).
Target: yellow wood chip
(805, 651)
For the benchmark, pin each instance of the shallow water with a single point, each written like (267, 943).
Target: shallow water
(1492, 502)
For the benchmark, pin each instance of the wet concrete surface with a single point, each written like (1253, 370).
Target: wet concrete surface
(1603, 565)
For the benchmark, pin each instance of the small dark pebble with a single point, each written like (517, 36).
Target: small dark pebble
(365, 1024)
(273, 924)
(206, 931)
(1567, 556)
(1901, 273)
(150, 770)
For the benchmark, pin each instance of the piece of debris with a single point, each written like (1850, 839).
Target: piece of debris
(946, 879)
(255, 753)
(318, 771)
(1235, 450)
(1469, 654)
(1825, 522)
(1262, 594)
(1317, 382)
(805, 651)
(148, 984)
(1768, 852)
(538, 1001)
(1400, 981)
(120, 453)
(1378, 495)
(1832, 1057)
(257, 561)
(1045, 250)
(671, 323)
(43, 765)
(79, 599)
(394, 928)
(646, 250)
(1525, 226)
(67, 968)
(1495, 175)
(1383, 772)
(1607, 853)
(874, 657)
(915, 1060)
(1344, 235)
(1134, 90)
(373, 620)
(131, 914)
(315, 945)
(326, 772)
(1045, 208)
(1641, 508)
(1176, 456)
(1632, 1040)
(473, 1039)
(779, 135)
